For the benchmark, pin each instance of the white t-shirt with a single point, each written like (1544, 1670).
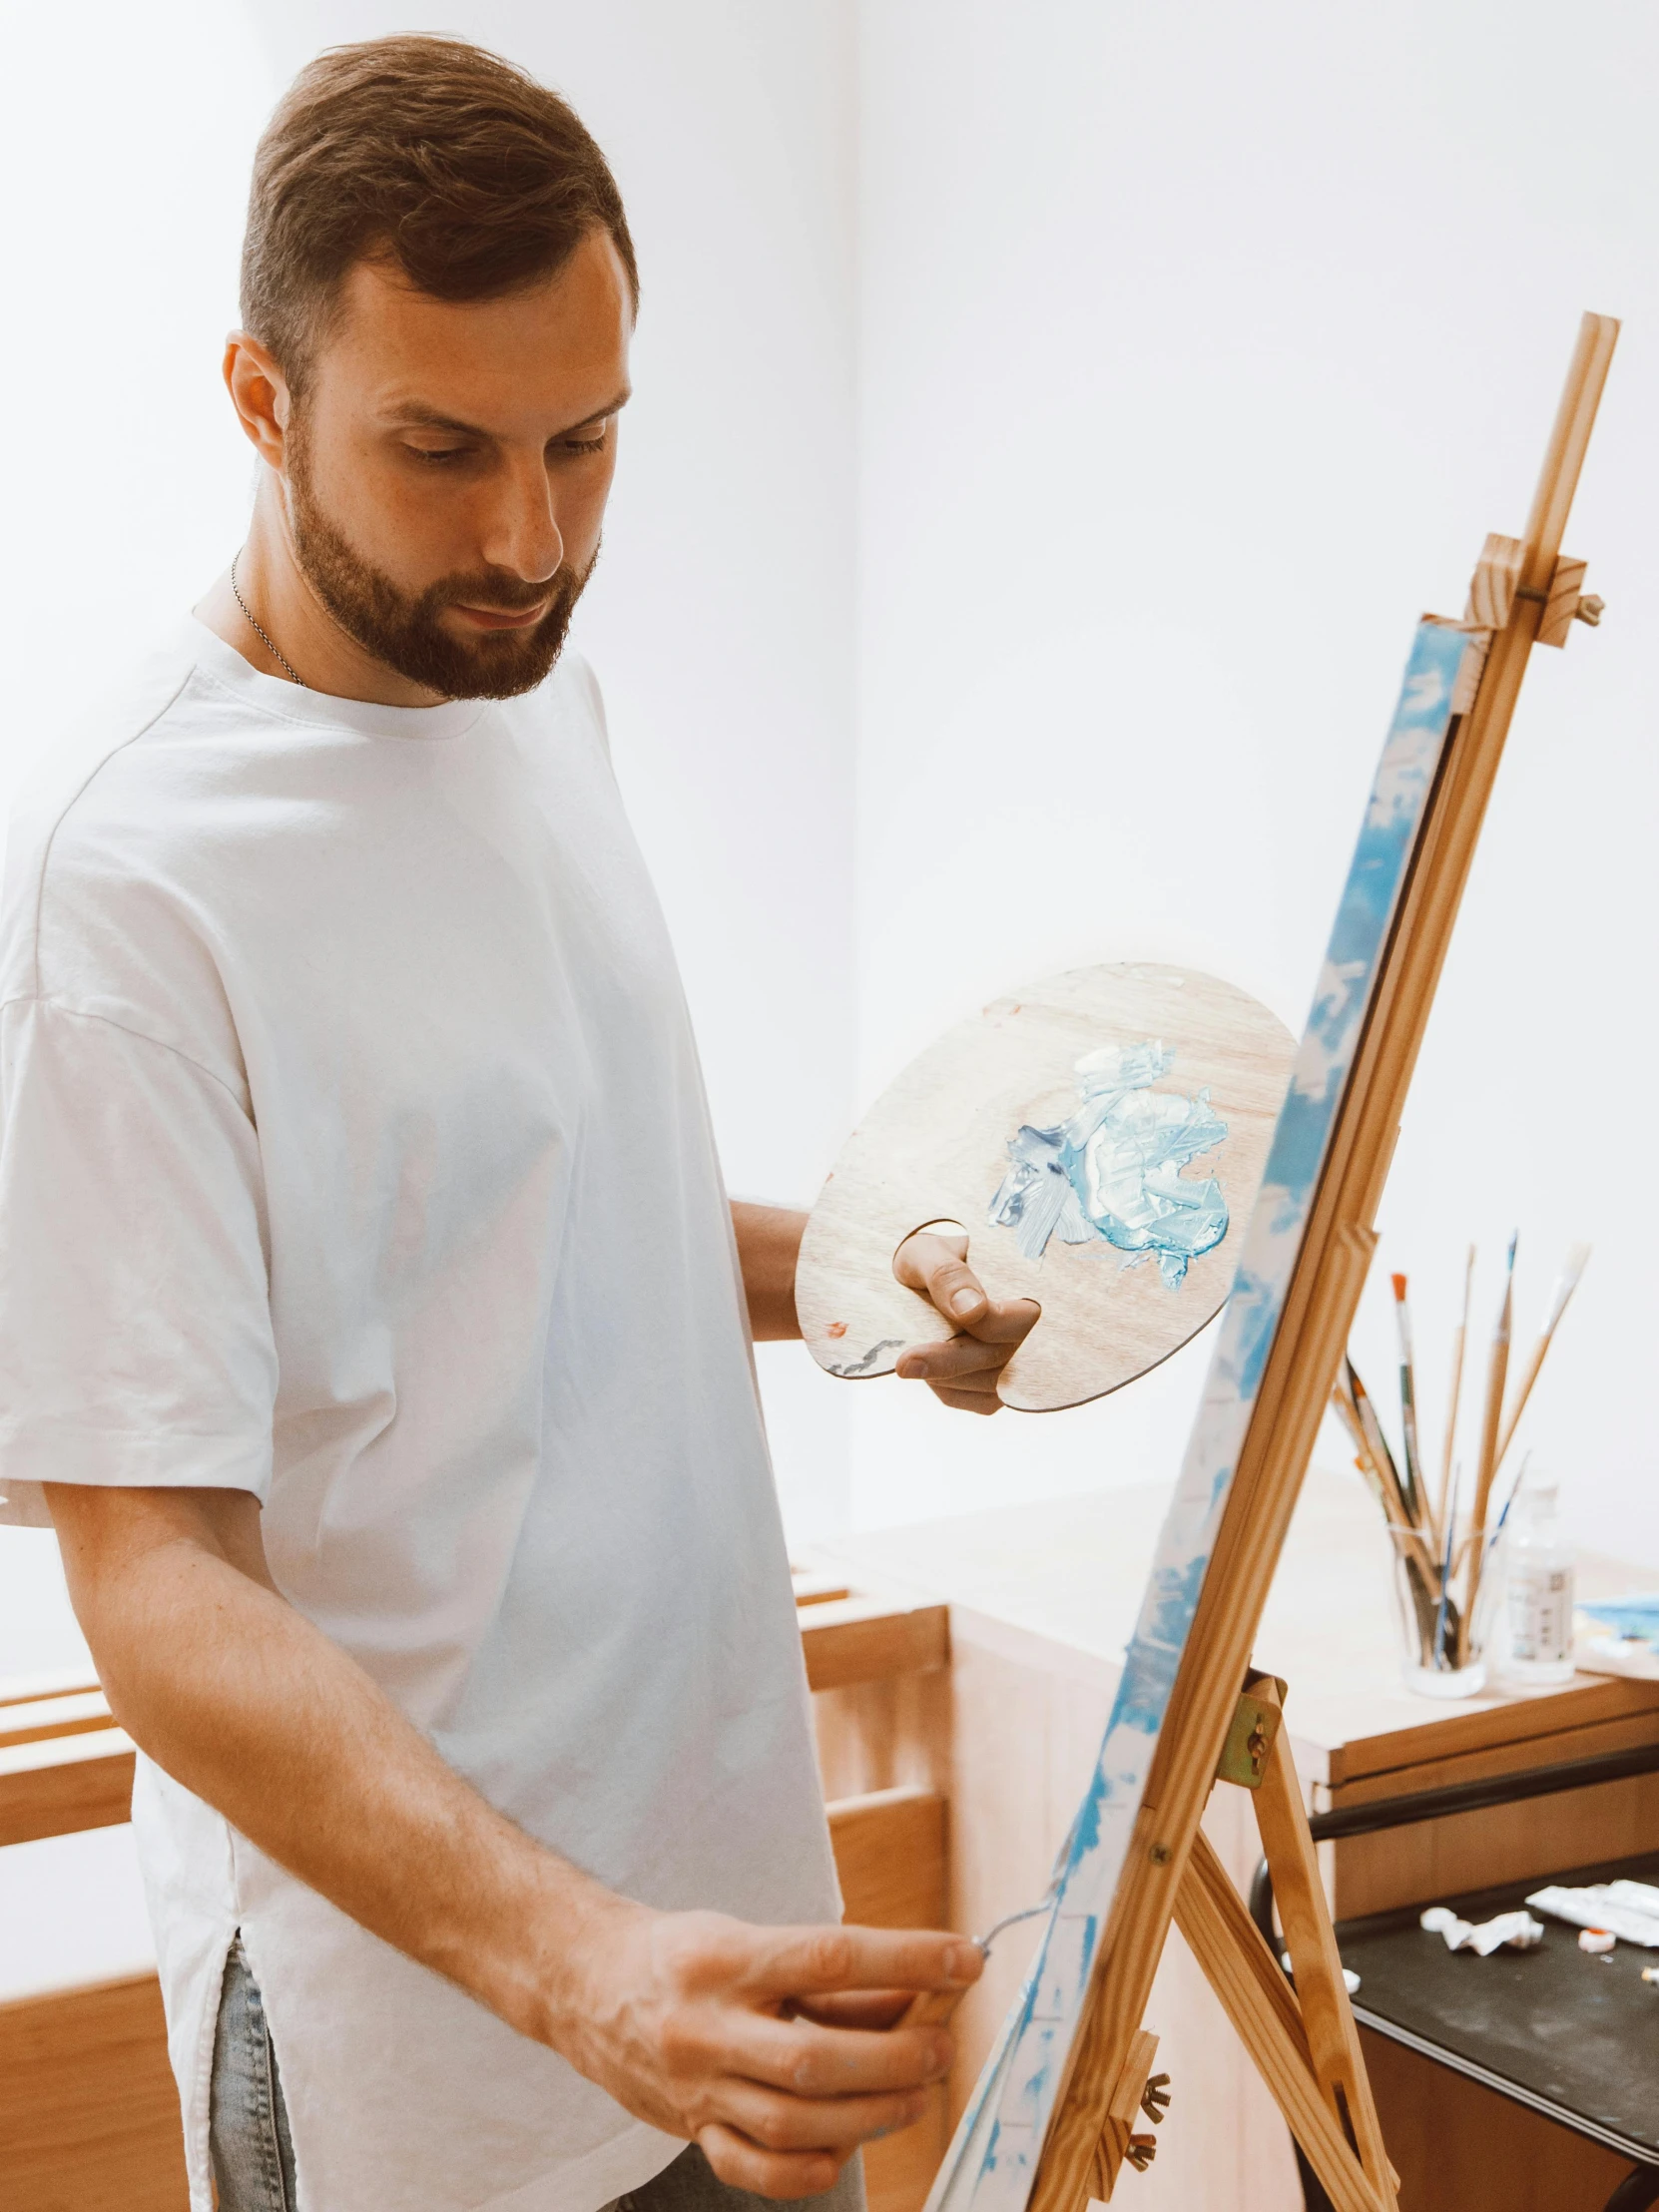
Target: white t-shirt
(354, 1154)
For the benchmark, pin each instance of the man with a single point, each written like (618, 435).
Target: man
(369, 1324)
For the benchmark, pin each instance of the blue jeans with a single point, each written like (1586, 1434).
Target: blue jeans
(247, 2127)
(252, 2152)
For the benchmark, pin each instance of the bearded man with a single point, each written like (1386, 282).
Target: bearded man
(374, 1322)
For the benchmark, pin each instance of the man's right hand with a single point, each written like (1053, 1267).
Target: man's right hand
(771, 2047)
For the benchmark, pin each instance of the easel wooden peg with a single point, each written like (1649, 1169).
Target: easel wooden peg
(1138, 2090)
(1496, 585)
(1492, 587)
(1568, 603)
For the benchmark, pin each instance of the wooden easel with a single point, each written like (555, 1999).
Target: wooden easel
(1304, 2042)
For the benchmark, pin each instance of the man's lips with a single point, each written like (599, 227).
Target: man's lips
(492, 618)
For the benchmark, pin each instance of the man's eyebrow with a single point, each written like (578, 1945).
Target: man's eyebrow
(599, 414)
(417, 413)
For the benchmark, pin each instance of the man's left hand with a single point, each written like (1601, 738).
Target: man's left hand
(966, 1369)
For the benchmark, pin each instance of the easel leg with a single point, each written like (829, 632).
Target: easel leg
(1267, 2020)
(1304, 2042)
(1326, 2015)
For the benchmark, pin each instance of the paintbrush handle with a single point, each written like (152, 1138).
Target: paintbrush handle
(1378, 1444)
(1495, 1378)
(1512, 1420)
(1451, 1417)
(1491, 1426)
(1393, 1509)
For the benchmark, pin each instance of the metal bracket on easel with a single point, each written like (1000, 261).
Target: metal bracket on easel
(1255, 1729)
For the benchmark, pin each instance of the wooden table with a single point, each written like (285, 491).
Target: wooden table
(1040, 1603)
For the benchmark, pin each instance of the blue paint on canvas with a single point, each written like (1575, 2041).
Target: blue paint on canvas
(1114, 1172)
(992, 2160)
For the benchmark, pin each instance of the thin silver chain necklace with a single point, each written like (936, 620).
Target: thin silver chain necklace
(266, 640)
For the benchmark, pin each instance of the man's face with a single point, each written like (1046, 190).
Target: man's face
(449, 467)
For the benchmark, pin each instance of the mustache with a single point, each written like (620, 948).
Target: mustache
(506, 595)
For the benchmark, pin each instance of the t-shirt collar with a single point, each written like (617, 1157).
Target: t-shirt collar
(295, 702)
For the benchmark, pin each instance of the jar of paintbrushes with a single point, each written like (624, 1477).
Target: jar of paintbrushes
(1446, 1536)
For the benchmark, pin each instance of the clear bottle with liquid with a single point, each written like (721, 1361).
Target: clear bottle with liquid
(1538, 1562)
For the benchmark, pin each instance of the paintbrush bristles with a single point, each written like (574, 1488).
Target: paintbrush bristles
(1577, 1259)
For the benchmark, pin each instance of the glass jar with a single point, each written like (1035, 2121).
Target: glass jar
(1444, 1651)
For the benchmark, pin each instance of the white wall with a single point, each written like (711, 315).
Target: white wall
(1199, 349)
(1077, 404)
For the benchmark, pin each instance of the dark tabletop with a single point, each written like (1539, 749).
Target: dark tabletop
(1572, 2036)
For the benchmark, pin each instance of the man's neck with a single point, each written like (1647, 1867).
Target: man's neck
(296, 623)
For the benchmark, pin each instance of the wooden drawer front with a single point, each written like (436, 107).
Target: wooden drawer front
(89, 2115)
(1502, 1843)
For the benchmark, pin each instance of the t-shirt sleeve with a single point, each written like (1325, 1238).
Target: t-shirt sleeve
(136, 1344)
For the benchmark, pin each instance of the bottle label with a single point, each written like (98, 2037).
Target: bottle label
(1541, 1612)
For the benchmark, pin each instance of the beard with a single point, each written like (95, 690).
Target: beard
(403, 630)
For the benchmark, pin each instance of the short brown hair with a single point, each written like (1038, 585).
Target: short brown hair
(446, 159)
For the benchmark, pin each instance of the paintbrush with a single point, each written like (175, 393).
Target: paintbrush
(1514, 1492)
(1565, 1284)
(1343, 1402)
(1417, 1492)
(1445, 1574)
(1457, 1344)
(1367, 1433)
(1364, 1412)
(1347, 1396)
(1496, 1374)
(1385, 1492)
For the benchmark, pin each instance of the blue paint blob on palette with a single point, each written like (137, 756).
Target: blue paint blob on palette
(1114, 1172)
(992, 2161)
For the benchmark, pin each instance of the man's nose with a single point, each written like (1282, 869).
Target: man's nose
(524, 536)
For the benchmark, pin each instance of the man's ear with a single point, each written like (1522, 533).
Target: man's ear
(259, 394)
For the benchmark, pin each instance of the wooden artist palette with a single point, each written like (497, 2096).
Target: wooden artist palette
(1159, 1241)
